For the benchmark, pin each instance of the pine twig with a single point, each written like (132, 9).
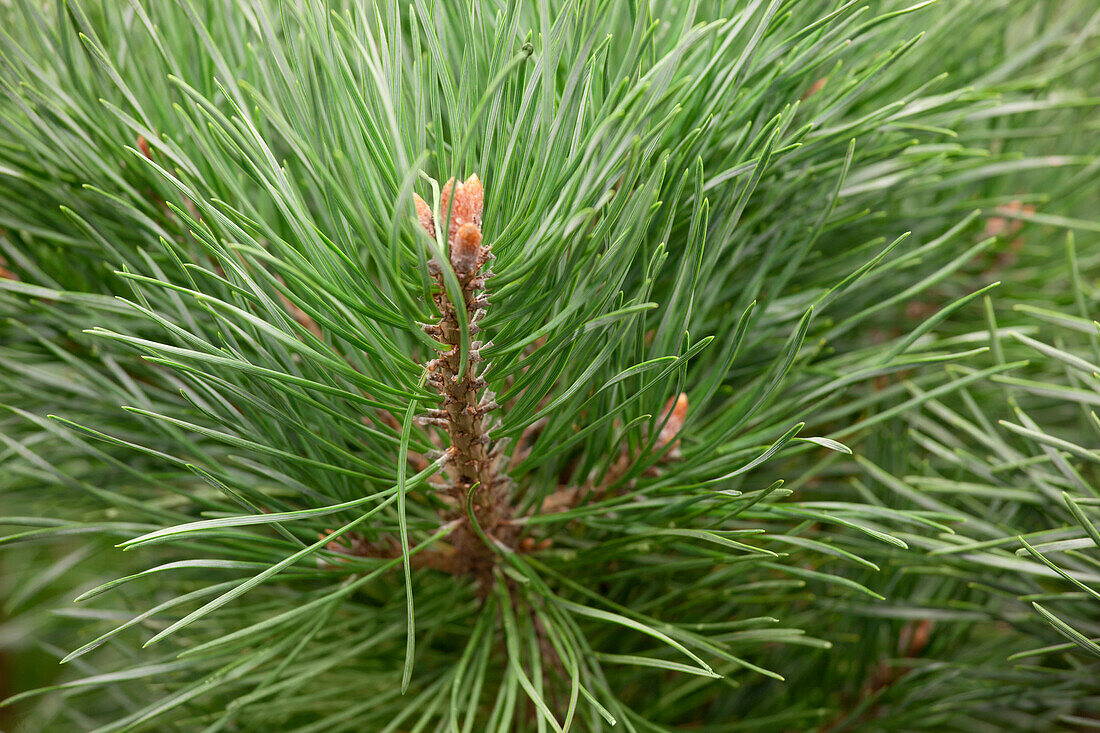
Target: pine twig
(466, 399)
(565, 498)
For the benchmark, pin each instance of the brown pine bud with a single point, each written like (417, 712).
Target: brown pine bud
(445, 213)
(424, 215)
(474, 193)
(469, 198)
(914, 637)
(466, 248)
(676, 409)
(143, 146)
(814, 88)
(5, 273)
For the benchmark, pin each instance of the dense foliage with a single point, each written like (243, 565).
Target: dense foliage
(756, 394)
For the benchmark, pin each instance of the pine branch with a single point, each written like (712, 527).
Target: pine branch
(788, 213)
(474, 460)
(672, 422)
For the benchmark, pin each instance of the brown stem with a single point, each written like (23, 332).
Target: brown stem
(568, 497)
(357, 545)
(466, 400)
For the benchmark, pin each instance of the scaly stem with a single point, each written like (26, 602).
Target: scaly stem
(466, 401)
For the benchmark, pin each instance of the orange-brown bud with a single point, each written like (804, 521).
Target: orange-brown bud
(445, 196)
(814, 88)
(424, 215)
(474, 193)
(143, 146)
(466, 249)
(469, 198)
(914, 637)
(676, 410)
(5, 273)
